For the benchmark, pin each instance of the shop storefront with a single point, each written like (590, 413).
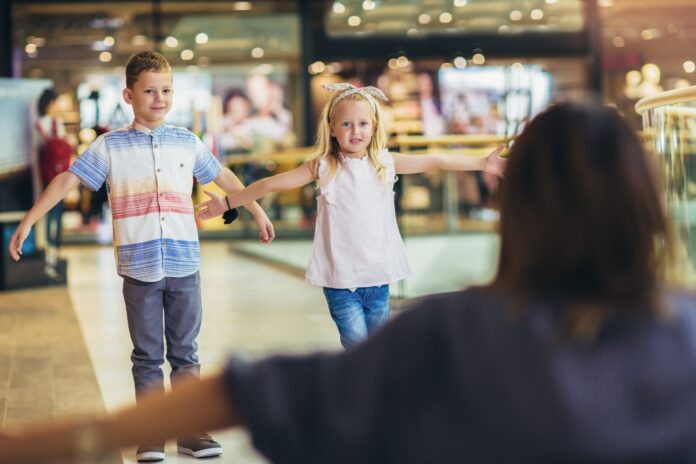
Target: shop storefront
(248, 79)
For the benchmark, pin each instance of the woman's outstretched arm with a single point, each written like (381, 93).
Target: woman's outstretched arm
(194, 406)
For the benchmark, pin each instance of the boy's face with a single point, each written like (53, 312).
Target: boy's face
(150, 97)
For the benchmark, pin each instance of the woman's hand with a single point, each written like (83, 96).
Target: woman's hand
(214, 207)
(494, 163)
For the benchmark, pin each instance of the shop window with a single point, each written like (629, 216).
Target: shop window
(426, 17)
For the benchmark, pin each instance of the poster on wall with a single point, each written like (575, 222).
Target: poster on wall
(493, 99)
(239, 109)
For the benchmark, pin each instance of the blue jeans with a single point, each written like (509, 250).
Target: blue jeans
(358, 314)
(54, 225)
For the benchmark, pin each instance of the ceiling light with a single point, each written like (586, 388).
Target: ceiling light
(478, 58)
(257, 52)
(460, 62)
(354, 21)
(424, 18)
(459, 2)
(392, 63)
(339, 8)
(109, 41)
(105, 57)
(445, 18)
(30, 48)
(402, 61)
(186, 54)
(618, 41)
(515, 15)
(536, 14)
(368, 5)
(446, 66)
(689, 66)
(551, 2)
(242, 6)
(517, 67)
(171, 41)
(605, 3)
(201, 38)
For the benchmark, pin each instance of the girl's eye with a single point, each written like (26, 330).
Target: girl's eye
(364, 124)
(148, 91)
(167, 91)
(345, 124)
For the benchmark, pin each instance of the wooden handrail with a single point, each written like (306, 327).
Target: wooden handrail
(671, 97)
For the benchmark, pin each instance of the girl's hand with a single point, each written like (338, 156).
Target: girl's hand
(211, 208)
(266, 231)
(17, 240)
(494, 163)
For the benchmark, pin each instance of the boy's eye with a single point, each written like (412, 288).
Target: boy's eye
(167, 91)
(345, 124)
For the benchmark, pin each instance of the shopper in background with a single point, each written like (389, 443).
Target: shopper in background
(576, 353)
(357, 250)
(149, 169)
(54, 157)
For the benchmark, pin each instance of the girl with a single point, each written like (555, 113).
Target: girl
(357, 250)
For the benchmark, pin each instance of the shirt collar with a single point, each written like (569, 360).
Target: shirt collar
(147, 131)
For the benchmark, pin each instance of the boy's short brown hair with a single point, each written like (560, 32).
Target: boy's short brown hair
(145, 61)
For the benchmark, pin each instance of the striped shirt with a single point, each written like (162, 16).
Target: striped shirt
(149, 178)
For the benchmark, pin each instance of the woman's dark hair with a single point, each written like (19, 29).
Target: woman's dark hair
(581, 217)
(47, 97)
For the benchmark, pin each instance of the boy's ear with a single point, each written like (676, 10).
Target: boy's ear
(127, 95)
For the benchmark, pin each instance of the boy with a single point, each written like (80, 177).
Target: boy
(149, 168)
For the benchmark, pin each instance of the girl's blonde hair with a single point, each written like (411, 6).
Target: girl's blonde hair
(328, 145)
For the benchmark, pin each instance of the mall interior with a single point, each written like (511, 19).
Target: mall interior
(461, 76)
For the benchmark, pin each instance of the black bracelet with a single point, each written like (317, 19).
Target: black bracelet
(231, 214)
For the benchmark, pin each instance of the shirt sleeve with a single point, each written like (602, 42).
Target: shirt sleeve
(207, 167)
(338, 408)
(92, 166)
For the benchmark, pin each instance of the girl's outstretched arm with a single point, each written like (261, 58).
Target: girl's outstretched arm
(412, 164)
(289, 180)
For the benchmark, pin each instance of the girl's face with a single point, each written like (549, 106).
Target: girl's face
(352, 126)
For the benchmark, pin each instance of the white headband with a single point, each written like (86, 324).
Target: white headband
(370, 93)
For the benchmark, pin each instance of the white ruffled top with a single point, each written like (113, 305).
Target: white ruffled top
(356, 239)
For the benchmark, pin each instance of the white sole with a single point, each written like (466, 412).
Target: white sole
(150, 456)
(206, 453)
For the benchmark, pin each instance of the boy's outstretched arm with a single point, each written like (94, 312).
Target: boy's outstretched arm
(196, 405)
(229, 182)
(289, 180)
(56, 190)
(412, 164)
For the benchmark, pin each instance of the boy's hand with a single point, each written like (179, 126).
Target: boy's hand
(266, 231)
(17, 240)
(494, 163)
(211, 208)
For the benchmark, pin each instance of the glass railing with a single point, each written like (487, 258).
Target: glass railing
(669, 131)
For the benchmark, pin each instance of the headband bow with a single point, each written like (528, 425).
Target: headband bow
(370, 93)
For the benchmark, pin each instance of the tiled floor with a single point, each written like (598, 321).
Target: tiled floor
(251, 308)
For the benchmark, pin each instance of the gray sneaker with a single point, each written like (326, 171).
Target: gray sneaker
(202, 446)
(150, 453)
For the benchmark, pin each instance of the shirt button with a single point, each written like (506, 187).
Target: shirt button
(161, 194)
(158, 169)
(181, 165)
(162, 218)
(156, 145)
